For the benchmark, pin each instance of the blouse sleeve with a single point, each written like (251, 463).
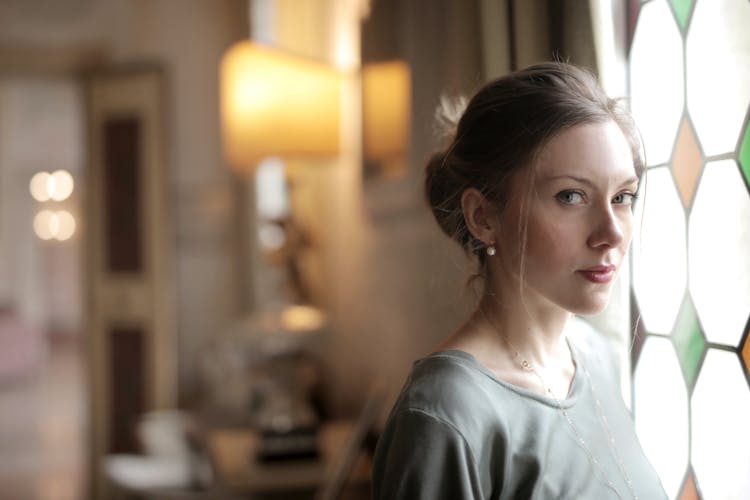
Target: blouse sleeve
(421, 457)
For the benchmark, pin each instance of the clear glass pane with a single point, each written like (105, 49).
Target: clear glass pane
(659, 254)
(719, 252)
(656, 80)
(661, 411)
(718, 72)
(720, 438)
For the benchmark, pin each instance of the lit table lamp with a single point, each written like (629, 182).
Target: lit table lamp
(277, 104)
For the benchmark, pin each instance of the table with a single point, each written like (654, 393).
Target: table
(233, 451)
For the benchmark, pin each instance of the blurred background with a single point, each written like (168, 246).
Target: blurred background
(216, 265)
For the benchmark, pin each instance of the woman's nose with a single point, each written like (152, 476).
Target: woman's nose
(607, 229)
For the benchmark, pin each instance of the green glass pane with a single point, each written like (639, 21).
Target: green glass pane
(745, 154)
(688, 342)
(682, 10)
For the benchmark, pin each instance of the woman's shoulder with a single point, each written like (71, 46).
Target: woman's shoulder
(450, 398)
(450, 386)
(442, 372)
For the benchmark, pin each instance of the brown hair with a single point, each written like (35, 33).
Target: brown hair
(505, 125)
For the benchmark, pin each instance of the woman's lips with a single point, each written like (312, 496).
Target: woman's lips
(599, 274)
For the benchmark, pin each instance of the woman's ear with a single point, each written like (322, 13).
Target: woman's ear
(480, 215)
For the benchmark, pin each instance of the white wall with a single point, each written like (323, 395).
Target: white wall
(41, 129)
(187, 37)
(397, 283)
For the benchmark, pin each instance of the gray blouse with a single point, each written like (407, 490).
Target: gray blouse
(459, 432)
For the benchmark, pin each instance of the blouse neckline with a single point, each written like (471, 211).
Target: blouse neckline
(468, 359)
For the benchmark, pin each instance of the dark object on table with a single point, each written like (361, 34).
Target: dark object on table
(295, 444)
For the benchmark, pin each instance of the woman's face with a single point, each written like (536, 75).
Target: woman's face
(580, 219)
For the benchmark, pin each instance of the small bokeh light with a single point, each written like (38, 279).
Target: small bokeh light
(60, 225)
(57, 186)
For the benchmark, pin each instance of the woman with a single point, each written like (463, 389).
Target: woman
(538, 184)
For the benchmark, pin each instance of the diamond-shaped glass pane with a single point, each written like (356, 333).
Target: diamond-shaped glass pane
(661, 411)
(686, 162)
(689, 491)
(718, 72)
(744, 154)
(745, 352)
(682, 10)
(720, 439)
(719, 262)
(688, 342)
(659, 254)
(656, 80)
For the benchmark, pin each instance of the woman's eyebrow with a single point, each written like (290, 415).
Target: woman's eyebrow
(581, 180)
(588, 182)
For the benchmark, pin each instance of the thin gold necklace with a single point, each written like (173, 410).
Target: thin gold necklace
(527, 366)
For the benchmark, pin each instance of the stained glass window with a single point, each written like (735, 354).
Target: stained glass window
(656, 71)
(718, 71)
(719, 249)
(720, 416)
(690, 94)
(659, 253)
(662, 411)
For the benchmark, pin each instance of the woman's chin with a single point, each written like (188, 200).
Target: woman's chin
(591, 307)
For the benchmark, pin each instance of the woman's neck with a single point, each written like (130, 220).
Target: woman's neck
(536, 333)
(503, 335)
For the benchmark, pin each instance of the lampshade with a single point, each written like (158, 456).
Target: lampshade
(276, 104)
(386, 109)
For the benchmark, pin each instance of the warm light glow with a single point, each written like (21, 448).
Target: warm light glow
(301, 318)
(60, 185)
(57, 186)
(275, 104)
(386, 107)
(38, 186)
(66, 225)
(60, 225)
(45, 224)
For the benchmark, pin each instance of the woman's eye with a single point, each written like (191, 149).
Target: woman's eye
(624, 199)
(570, 197)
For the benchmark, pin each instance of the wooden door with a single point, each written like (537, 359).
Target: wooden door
(131, 327)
